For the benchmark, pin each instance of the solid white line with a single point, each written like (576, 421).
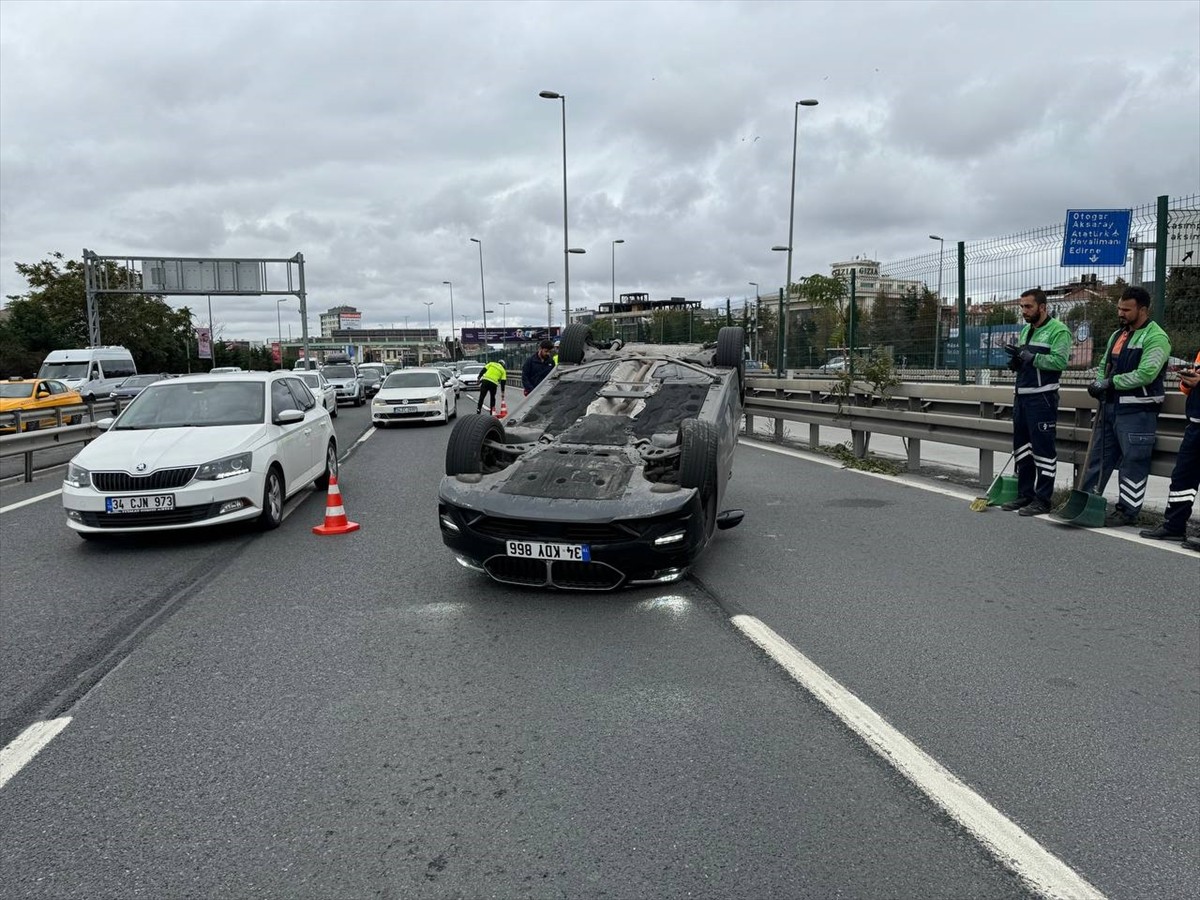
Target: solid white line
(920, 484)
(1040, 869)
(19, 504)
(366, 435)
(27, 745)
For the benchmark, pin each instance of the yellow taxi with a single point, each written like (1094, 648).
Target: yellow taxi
(26, 394)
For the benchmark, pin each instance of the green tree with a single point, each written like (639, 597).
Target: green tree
(53, 316)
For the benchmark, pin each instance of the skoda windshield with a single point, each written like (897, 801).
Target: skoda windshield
(184, 404)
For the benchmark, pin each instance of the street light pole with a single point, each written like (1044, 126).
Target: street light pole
(791, 222)
(482, 295)
(757, 311)
(614, 268)
(549, 310)
(552, 95)
(453, 342)
(503, 304)
(937, 309)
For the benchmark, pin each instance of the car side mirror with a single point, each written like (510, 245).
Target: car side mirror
(289, 416)
(105, 423)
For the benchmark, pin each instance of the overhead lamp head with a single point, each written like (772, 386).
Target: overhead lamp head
(619, 241)
(577, 250)
(476, 241)
(784, 249)
(806, 102)
(934, 237)
(549, 95)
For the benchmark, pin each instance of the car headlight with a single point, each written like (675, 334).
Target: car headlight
(238, 464)
(437, 399)
(78, 476)
(379, 402)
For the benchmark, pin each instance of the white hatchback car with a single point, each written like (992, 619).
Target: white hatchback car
(202, 451)
(320, 386)
(413, 395)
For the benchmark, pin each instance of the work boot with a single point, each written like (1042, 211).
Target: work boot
(1162, 534)
(1038, 507)
(1190, 544)
(1118, 518)
(1012, 505)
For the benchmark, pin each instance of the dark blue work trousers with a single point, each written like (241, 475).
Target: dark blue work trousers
(1125, 441)
(1034, 453)
(1185, 480)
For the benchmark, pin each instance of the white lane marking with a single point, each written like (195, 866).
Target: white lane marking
(1044, 872)
(366, 435)
(27, 745)
(20, 503)
(917, 483)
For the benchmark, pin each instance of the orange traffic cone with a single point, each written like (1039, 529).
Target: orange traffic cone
(335, 513)
(503, 409)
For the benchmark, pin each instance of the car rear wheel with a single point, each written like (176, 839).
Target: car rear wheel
(575, 339)
(333, 412)
(272, 504)
(331, 467)
(698, 451)
(467, 450)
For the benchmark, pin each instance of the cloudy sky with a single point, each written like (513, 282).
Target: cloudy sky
(377, 138)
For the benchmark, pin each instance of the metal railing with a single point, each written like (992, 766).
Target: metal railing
(26, 432)
(963, 415)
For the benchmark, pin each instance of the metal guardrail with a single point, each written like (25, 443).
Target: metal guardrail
(28, 436)
(964, 415)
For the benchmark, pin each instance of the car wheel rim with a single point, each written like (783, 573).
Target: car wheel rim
(275, 499)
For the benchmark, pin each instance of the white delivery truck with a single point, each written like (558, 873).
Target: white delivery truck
(93, 371)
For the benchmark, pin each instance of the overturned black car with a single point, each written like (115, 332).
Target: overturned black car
(611, 474)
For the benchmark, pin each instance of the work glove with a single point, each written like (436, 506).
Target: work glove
(1015, 364)
(1099, 387)
(1026, 356)
(1012, 349)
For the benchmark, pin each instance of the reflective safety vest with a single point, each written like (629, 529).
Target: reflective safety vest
(1137, 371)
(495, 373)
(1051, 346)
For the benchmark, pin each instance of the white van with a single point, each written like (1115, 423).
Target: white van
(93, 371)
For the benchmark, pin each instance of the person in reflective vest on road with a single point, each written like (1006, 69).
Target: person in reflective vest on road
(1129, 386)
(493, 375)
(1038, 360)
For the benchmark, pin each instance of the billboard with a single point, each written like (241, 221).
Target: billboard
(520, 335)
(350, 321)
(204, 343)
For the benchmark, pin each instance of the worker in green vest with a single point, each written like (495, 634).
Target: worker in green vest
(492, 376)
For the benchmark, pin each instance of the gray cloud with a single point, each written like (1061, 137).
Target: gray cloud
(377, 138)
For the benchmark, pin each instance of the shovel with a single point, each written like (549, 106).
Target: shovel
(1084, 509)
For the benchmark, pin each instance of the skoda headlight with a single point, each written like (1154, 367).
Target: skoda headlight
(78, 476)
(238, 464)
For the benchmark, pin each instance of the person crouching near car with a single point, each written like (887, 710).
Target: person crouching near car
(1185, 477)
(492, 376)
(1038, 359)
(537, 367)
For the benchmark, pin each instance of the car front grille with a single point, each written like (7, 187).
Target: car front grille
(121, 482)
(577, 576)
(533, 530)
(181, 516)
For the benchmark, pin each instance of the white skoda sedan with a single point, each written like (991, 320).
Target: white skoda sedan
(414, 395)
(199, 451)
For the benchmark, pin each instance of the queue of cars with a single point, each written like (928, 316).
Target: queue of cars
(611, 474)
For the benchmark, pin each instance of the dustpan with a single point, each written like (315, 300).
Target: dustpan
(1085, 509)
(1003, 490)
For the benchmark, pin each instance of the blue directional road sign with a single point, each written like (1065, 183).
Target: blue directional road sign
(1096, 237)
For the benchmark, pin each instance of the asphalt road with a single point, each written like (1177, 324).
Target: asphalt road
(288, 715)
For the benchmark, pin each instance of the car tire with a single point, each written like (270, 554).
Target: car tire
(575, 339)
(731, 354)
(446, 411)
(272, 504)
(331, 467)
(698, 452)
(466, 450)
(333, 412)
